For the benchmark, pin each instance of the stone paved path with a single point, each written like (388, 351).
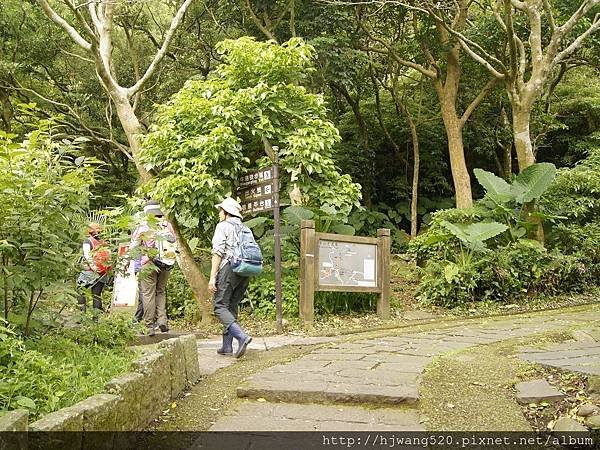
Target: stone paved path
(577, 356)
(381, 371)
(210, 361)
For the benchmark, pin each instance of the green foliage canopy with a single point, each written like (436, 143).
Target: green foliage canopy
(212, 130)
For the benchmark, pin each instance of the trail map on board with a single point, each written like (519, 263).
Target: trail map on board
(347, 264)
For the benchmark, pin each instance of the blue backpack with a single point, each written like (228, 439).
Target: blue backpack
(247, 258)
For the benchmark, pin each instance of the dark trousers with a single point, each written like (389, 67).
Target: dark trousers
(96, 289)
(230, 290)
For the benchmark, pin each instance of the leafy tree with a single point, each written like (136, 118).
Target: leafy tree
(527, 70)
(437, 59)
(251, 111)
(45, 192)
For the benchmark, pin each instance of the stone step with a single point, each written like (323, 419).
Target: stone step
(333, 393)
(265, 416)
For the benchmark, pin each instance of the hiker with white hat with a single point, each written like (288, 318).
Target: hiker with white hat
(227, 286)
(156, 237)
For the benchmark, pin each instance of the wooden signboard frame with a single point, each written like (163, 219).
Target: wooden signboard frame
(309, 269)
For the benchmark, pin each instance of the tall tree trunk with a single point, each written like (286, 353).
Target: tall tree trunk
(7, 111)
(192, 273)
(522, 135)
(458, 164)
(133, 130)
(415, 180)
(526, 157)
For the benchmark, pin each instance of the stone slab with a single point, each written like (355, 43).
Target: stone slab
(568, 425)
(14, 420)
(190, 353)
(251, 416)
(156, 369)
(65, 419)
(537, 391)
(173, 351)
(99, 412)
(131, 390)
(312, 392)
(581, 357)
(593, 422)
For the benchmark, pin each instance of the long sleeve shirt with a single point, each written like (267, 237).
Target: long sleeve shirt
(224, 239)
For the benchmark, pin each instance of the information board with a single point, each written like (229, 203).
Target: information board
(340, 263)
(347, 264)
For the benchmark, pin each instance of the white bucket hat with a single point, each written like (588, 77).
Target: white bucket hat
(152, 207)
(229, 205)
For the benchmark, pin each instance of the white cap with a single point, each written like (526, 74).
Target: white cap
(229, 205)
(152, 207)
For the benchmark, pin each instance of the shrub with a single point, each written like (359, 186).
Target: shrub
(181, 303)
(445, 283)
(260, 295)
(44, 191)
(582, 242)
(58, 369)
(520, 269)
(575, 194)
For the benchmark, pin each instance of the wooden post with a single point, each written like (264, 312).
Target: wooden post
(383, 305)
(307, 270)
(277, 248)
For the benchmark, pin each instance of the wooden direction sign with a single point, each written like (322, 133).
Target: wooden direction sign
(257, 191)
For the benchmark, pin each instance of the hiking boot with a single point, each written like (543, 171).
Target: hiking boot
(227, 347)
(163, 327)
(242, 338)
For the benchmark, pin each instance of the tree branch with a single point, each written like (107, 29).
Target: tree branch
(163, 50)
(394, 55)
(58, 20)
(548, 11)
(477, 100)
(583, 9)
(577, 42)
(481, 61)
(257, 21)
(81, 19)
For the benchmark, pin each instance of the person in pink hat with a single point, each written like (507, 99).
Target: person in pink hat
(227, 286)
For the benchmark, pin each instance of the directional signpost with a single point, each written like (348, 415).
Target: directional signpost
(259, 192)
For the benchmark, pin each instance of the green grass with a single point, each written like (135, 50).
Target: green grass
(45, 373)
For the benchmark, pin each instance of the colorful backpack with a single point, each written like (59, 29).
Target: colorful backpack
(247, 258)
(100, 255)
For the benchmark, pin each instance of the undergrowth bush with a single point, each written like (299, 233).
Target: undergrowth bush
(523, 268)
(181, 303)
(57, 369)
(483, 254)
(260, 296)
